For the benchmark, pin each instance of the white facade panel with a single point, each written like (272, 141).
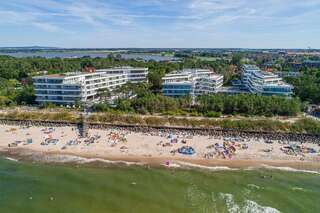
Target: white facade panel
(191, 82)
(83, 87)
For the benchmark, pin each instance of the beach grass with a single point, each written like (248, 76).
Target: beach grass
(302, 125)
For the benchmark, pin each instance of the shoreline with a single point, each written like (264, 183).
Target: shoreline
(54, 158)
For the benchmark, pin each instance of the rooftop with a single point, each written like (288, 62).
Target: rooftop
(215, 76)
(177, 82)
(186, 72)
(80, 73)
(250, 67)
(121, 68)
(62, 75)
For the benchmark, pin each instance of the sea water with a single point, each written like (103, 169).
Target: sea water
(46, 188)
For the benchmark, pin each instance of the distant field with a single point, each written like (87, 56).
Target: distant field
(207, 58)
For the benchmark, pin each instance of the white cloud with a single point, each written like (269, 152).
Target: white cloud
(215, 5)
(163, 21)
(97, 14)
(46, 26)
(26, 19)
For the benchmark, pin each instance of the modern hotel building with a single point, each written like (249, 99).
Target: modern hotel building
(191, 82)
(266, 83)
(69, 88)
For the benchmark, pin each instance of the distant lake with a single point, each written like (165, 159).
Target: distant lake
(145, 57)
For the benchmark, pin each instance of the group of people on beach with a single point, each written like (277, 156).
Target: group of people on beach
(225, 144)
(221, 134)
(217, 133)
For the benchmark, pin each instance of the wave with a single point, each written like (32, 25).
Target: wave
(12, 159)
(251, 206)
(66, 158)
(289, 169)
(248, 206)
(92, 160)
(253, 186)
(198, 166)
(181, 164)
(172, 165)
(231, 205)
(298, 189)
(83, 160)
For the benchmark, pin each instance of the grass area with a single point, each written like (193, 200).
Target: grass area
(43, 116)
(246, 124)
(202, 58)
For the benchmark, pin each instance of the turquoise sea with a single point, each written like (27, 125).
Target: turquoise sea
(35, 187)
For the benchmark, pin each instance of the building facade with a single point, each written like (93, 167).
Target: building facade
(134, 75)
(191, 82)
(311, 64)
(266, 83)
(67, 89)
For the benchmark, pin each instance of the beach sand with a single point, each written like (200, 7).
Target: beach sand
(125, 146)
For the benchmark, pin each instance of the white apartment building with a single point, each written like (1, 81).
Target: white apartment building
(135, 75)
(265, 83)
(191, 82)
(69, 88)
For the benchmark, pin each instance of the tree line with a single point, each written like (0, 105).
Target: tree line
(206, 105)
(307, 86)
(249, 104)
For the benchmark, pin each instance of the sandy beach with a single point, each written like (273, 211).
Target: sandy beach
(157, 148)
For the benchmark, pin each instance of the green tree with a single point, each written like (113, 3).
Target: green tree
(104, 94)
(26, 96)
(236, 59)
(155, 79)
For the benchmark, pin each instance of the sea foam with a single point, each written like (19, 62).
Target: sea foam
(211, 168)
(83, 160)
(12, 159)
(253, 207)
(248, 206)
(289, 169)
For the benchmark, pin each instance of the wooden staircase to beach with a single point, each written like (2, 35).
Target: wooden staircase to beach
(83, 127)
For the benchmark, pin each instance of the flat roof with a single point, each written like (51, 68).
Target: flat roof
(250, 66)
(78, 73)
(55, 75)
(216, 76)
(178, 82)
(123, 68)
(187, 73)
(61, 75)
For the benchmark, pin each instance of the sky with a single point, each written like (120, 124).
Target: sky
(160, 23)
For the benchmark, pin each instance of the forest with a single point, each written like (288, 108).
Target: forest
(307, 86)
(207, 105)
